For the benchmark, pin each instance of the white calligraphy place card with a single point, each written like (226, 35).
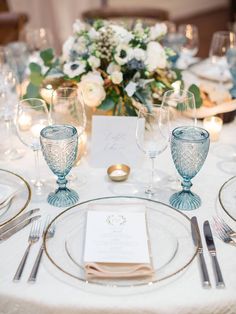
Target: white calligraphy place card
(114, 142)
(116, 237)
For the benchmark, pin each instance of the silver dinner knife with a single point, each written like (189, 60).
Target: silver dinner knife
(212, 250)
(6, 235)
(198, 242)
(17, 220)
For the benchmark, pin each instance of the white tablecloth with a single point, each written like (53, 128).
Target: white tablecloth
(53, 293)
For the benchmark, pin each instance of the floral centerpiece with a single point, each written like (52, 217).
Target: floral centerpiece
(115, 68)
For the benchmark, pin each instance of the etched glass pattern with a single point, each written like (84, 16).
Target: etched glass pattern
(59, 146)
(189, 149)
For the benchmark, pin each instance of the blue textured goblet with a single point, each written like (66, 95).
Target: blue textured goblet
(189, 149)
(231, 59)
(59, 146)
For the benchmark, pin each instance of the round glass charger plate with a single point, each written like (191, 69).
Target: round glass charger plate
(227, 197)
(11, 182)
(169, 233)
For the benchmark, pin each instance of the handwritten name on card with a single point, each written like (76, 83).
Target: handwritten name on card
(113, 141)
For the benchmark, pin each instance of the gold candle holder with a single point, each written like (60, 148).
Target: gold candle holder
(118, 172)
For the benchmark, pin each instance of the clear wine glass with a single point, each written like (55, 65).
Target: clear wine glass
(37, 38)
(59, 146)
(67, 108)
(8, 107)
(182, 107)
(190, 44)
(182, 112)
(189, 149)
(152, 136)
(221, 42)
(32, 117)
(17, 56)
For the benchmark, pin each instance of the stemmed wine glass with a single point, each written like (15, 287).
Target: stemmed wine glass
(67, 108)
(189, 149)
(37, 38)
(32, 117)
(17, 56)
(182, 112)
(8, 107)
(59, 146)
(221, 42)
(190, 44)
(152, 136)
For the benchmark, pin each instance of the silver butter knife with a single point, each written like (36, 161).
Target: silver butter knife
(212, 250)
(198, 242)
(6, 235)
(17, 220)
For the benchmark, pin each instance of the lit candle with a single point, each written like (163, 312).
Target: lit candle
(46, 93)
(24, 122)
(213, 125)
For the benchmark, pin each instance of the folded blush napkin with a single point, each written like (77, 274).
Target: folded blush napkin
(117, 244)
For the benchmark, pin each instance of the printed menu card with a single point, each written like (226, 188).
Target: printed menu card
(116, 244)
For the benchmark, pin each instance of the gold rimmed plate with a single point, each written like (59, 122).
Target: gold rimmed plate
(12, 183)
(227, 197)
(169, 234)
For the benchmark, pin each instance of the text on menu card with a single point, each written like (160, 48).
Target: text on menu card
(113, 141)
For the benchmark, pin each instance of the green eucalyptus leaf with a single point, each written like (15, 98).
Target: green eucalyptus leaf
(34, 67)
(32, 91)
(107, 104)
(47, 55)
(36, 78)
(196, 91)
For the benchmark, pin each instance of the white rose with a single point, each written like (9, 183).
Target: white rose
(121, 35)
(158, 30)
(156, 56)
(93, 34)
(94, 62)
(93, 93)
(92, 76)
(139, 54)
(113, 67)
(116, 77)
(79, 26)
(73, 69)
(67, 47)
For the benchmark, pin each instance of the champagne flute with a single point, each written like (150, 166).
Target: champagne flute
(221, 42)
(152, 136)
(32, 117)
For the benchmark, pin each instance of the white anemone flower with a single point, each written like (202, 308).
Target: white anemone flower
(73, 69)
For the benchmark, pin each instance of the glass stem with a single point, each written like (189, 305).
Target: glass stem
(186, 184)
(9, 133)
(149, 189)
(61, 181)
(38, 183)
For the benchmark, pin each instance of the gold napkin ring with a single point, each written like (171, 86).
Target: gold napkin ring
(118, 172)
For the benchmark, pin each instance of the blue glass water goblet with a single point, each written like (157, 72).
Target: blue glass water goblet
(59, 146)
(231, 59)
(189, 149)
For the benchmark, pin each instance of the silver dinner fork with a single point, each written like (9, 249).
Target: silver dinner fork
(50, 234)
(33, 238)
(222, 234)
(220, 222)
(7, 200)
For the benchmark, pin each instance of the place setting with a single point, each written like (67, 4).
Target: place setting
(120, 193)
